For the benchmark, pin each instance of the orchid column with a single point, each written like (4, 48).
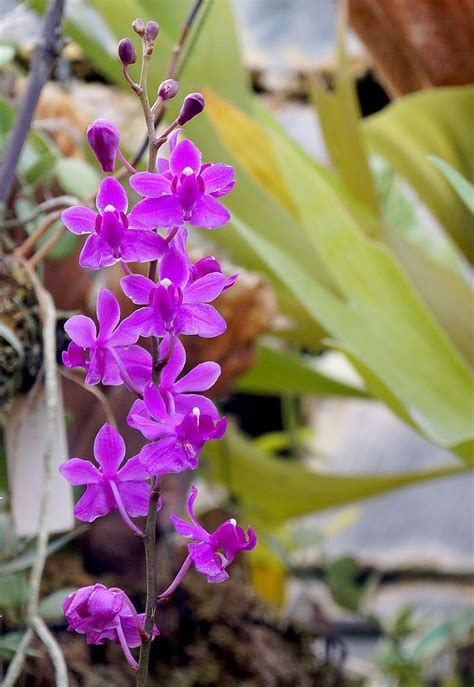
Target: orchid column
(169, 410)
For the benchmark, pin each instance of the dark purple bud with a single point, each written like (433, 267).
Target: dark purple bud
(139, 26)
(104, 138)
(193, 105)
(152, 30)
(168, 89)
(126, 52)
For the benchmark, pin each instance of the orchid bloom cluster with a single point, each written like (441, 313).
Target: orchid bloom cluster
(170, 411)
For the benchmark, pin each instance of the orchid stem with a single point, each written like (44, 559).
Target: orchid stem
(150, 554)
(125, 162)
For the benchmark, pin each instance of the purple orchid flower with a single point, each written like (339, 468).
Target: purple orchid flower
(203, 267)
(101, 614)
(175, 305)
(213, 552)
(112, 356)
(179, 438)
(184, 190)
(109, 487)
(111, 238)
(179, 397)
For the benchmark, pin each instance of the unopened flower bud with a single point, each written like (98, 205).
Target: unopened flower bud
(152, 30)
(193, 105)
(104, 138)
(139, 26)
(168, 89)
(126, 52)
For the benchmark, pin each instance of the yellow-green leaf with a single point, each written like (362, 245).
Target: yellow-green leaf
(291, 490)
(435, 122)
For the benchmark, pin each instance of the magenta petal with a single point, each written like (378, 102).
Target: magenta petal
(109, 449)
(108, 313)
(111, 193)
(200, 378)
(107, 369)
(207, 562)
(77, 471)
(162, 166)
(185, 529)
(154, 403)
(200, 319)
(186, 402)
(175, 267)
(79, 220)
(146, 322)
(96, 253)
(81, 330)
(137, 288)
(175, 362)
(135, 497)
(150, 429)
(132, 471)
(142, 245)
(209, 214)
(166, 456)
(157, 212)
(185, 155)
(138, 363)
(217, 177)
(173, 139)
(94, 503)
(206, 288)
(150, 185)
(95, 369)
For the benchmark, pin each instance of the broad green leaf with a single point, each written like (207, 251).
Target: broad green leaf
(42, 169)
(77, 177)
(460, 184)
(441, 285)
(84, 25)
(416, 362)
(339, 116)
(9, 644)
(291, 490)
(26, 559)
(13, 596)
(7, 116)
(342, 575)
(443, 289)
(250, 144)
(435, 122)
(277, 371)
(386, 326)
(445, 635)
(51, 607)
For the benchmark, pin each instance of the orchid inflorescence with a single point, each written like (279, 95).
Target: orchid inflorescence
(174, 299)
